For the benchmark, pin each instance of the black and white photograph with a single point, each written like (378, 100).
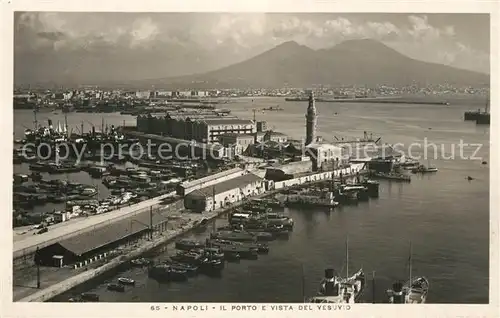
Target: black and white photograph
(320, 159)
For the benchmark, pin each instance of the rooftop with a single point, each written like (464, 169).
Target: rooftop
(212, 177)
(237, 135)
(227, 185)
(102, 236)
(228, 121)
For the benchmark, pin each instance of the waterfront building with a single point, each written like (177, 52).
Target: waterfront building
(311, 120)
(202, 126)
(289, 171)
(187, 187)
(225, 193)
(324, 156)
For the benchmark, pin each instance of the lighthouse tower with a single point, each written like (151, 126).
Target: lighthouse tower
(311, 120)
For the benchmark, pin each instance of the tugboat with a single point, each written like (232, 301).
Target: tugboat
(335, 289)
(412, 292)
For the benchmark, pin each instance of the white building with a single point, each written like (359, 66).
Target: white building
(324, 156)
(189, 186)
(225, 193)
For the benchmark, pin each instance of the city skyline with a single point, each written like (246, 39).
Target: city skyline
(84, 47)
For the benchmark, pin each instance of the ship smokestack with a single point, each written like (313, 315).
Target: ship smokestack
(329, 273)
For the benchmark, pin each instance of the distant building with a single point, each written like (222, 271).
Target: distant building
(261, 126)
(275, 136)
(143, 94)
(163, 94)
(238, 142)
(199, 126)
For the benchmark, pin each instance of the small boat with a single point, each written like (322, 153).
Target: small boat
(89, 297)
(211, 266)
(191, 270)
(415, 291)
(141, 262)
(424, 169)
(126, 281)
(36, 176)
(186, 245)
(116, 287)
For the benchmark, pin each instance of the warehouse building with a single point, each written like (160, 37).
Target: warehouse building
(225, 193)
(87, 245)
(202, 126)
(187, 187)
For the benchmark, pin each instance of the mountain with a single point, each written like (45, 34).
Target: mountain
(353, 62)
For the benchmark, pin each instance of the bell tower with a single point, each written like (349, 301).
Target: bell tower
(311, 120)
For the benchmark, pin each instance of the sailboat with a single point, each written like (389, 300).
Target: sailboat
(336, 289)
(414, 291)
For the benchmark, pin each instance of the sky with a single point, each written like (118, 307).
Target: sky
(84, 47)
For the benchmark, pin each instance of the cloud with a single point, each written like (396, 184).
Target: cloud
(143, 30)
(58, 41)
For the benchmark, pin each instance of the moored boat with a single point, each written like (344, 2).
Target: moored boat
(424, 169)
(89, 297)
(186, 245)
(336, 289)
(414, 291)
(116, 287)
(126, 281)
(140, 262)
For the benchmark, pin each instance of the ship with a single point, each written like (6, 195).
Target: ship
(424, 169)
(414, 291)
(336, 289)
(483, 118)
(274, 108)
(471, 115)
(297, 99)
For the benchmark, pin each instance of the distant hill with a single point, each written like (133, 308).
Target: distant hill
(353, 62)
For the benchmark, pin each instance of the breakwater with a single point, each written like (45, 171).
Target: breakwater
(370, 100)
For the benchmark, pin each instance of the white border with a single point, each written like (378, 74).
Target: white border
(10, 309)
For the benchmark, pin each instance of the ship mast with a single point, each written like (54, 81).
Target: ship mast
(347, 257)
(410, 260)
(35, 121)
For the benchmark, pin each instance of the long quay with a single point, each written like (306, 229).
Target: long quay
(28, 244)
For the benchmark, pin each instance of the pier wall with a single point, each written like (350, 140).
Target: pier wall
(353, 169)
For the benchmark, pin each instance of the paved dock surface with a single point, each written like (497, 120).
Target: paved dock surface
(26, 243)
